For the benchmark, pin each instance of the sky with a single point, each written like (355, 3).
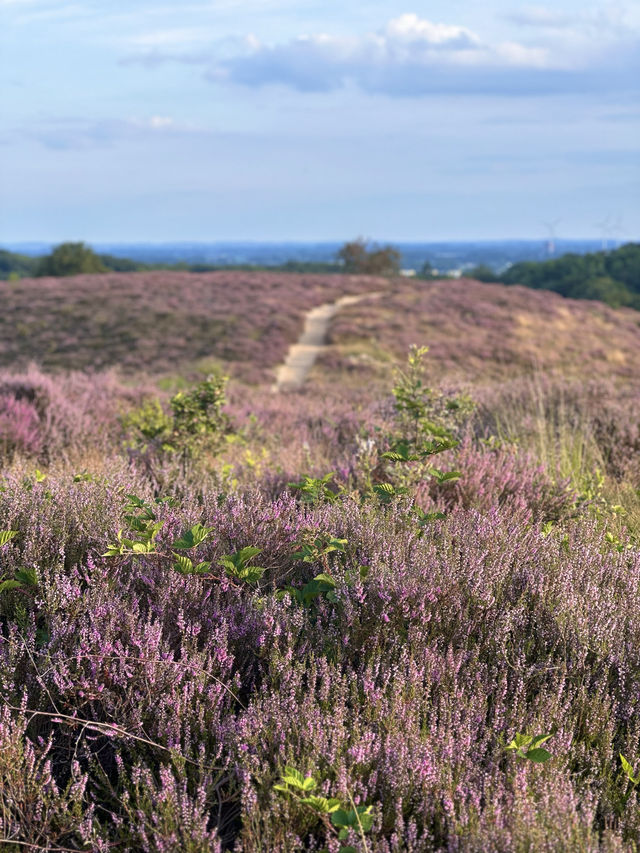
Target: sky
(205, 120)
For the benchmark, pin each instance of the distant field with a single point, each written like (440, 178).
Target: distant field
(481, 331)
(161, 321)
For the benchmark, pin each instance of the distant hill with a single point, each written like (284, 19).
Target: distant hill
(162, 321)
(477, 331)
(171, 322)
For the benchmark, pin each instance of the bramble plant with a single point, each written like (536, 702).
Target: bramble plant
(316, 549)
(22, 578)
(424, 429)
(237, 565)
(195, 423)
(322, 584)
(316, 490)
(337, 818)
(529, 747)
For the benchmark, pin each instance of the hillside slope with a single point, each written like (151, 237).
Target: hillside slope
(481, 331)
(162, 321)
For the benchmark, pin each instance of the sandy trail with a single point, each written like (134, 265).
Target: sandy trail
(312, 341)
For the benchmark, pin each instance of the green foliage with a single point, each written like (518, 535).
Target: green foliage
(22, 578)
(634, 778)
(149, 424)
(195, 423)
(612, 277)
(425, 424)
(315, 490)
(482, 272)
(319, 547)
(322, 584)
(142, 528)
(339, 819)
(193, 537)
(14, 266)
(363, 258)
(237, 566)
(70, 259)
(529, 747)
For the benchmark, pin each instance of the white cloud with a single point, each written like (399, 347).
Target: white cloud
(412, 56)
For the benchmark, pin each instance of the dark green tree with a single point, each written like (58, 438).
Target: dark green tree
(70, 259)
(363, 258)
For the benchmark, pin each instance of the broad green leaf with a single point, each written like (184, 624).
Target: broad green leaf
(324, 578)
(540, 739)
(365, 816)
(538, 755)
(293, 777)
(9, 584)
(320, 804)
(519, 741)
(195, 536)
(28, 577)
(251, 574)
(7, 536)
(449, 476)
(248, 553)
(183, 564)
(340, 817)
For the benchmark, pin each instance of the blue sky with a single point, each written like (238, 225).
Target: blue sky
(274, 119)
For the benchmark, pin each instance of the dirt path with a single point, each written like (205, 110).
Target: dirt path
(312, 341)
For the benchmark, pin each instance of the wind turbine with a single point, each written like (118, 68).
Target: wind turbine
(552, 228)
(608, 227)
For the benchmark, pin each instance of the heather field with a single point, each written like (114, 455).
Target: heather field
(161, 322)
(396, 610)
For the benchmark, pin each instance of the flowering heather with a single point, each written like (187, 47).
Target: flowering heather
(479, 331)
(162, 321)
(176, 632)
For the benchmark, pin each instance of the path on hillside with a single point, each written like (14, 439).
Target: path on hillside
(312, 341)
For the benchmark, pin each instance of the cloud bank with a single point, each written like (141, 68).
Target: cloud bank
(413, 56)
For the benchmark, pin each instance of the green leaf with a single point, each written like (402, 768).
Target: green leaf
(28, 577)
(340, 817)
(540, 739)
(320, 804)
(183, 564)
(251, 574)
(9, 584)
(113, 551)
(193, 537)
(7, 536)
(343, 834)
(365, 816)
(449, 476)
(520, 741)
(628, 769)
(538, 755)
(248, 553)
(293, 777)
(326, 579)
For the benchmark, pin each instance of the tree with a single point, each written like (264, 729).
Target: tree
(70, 259)
(482, 272)
(362, 257)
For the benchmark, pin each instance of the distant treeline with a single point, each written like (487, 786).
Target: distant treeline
(79, 259)
(612, 277)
